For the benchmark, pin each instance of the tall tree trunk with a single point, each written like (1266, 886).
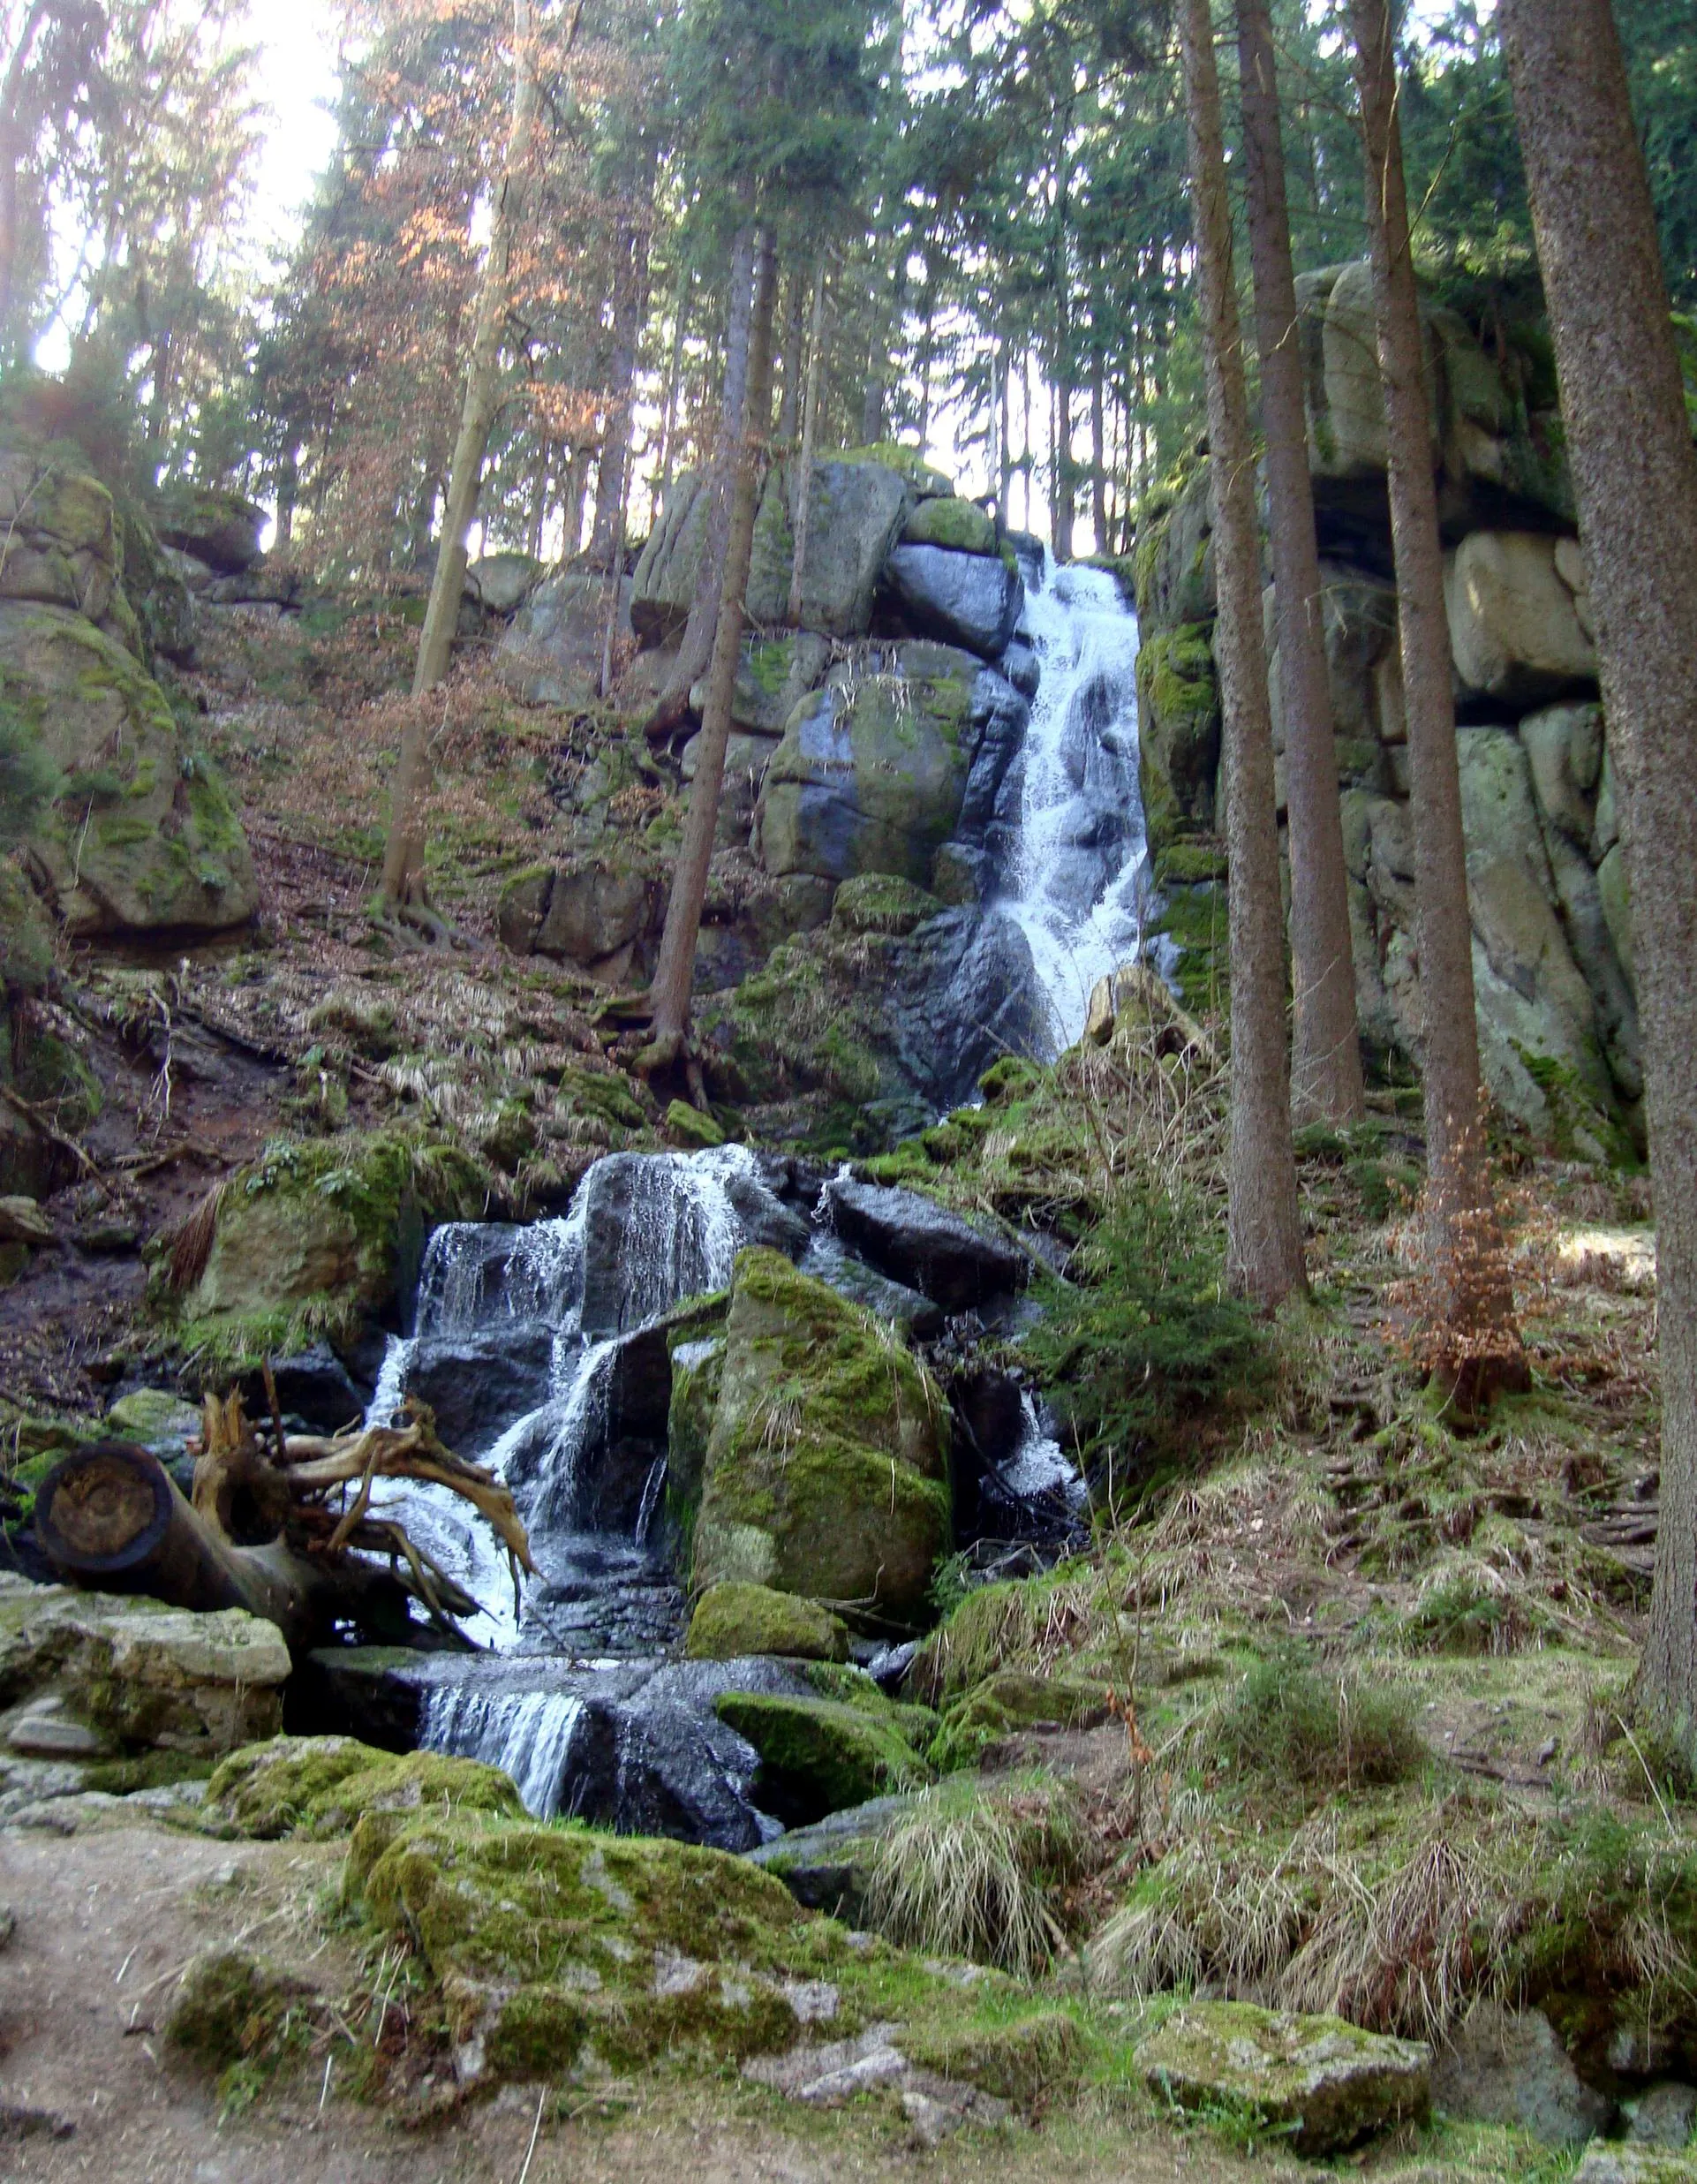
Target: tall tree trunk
(1264, 1230)
(695, 649)
(1472, 1341)
(674, 973)
(1635, 479)
(539, 496)
(674, 384)
(1005, 481)
(403, 882)
(789, 407)
(630, 315)
(802, 492)
(576, 496)
(1098, 457)
(887, 315)
(1326, 1059)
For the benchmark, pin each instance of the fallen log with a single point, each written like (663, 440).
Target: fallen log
(285, 1531)
(111, 1519)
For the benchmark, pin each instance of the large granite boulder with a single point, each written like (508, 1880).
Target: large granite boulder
(972, 600)
(925, 1246)
(1514, 625)
(501, 583)
(961, 525)
(1345, 400)
(63, 545)
(219, 528)
(330, 1233)
(141, 836)
(551, 650)
(872, 769)
(1533, 1001)
(826, 1469)
(595, 914)
(855, 514)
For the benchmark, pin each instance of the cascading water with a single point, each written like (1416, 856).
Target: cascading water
(1077, 882)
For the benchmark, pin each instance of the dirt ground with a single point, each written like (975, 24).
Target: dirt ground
(107, 1917)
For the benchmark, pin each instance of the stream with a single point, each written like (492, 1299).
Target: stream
(541, 1349)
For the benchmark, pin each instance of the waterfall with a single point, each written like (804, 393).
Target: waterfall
(1077, 882)
(526, 1733)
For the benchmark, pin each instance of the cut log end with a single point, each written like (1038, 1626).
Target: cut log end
(104, 1511)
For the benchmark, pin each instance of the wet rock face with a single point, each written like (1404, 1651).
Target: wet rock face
(921, 1243)
(971, 600)
(1326, 2084)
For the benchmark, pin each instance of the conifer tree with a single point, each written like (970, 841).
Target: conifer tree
(1634, 469)
(1265, 1231)
(1472, 1341)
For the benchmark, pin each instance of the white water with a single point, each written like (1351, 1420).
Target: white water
(1039, 1465)
(526, 1733)
(1079, 881)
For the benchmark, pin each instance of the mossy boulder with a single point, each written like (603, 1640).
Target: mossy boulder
(321, 1235)
(231, 2008)
(322, 1786)
(220, 528)
(139, 836)
(689, 1126)
(731, 1621)
(881, 902)
(827, 1466)
(951, 522)
(872, 772)
(63, 545)
(1320, 2083)
(554, 1946)
(820, 1755)
(1178, 695)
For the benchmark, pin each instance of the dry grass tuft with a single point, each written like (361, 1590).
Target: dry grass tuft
(970, 1874)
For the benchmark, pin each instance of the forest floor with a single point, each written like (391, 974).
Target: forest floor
(1486, 1589)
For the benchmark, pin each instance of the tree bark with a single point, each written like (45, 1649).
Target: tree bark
(789, 407)
(1326, 1059)
(613, 481)
(403, 882)
(801, 496)
(1472, 1343)
(695, 649)
(1634, 473)
(673, 384)
(674, 973)
(1265, 1231)
(1098, 456)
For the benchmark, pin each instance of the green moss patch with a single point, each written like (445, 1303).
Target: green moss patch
(819, 1755)
(322, 1786)
(731, 1620)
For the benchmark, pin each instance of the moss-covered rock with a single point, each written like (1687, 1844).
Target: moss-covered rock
(139, 836)
(951, 522)
(688, 1126)
(733, 1621)
(1318, 2081)
(321, 1235)
(230, 2007)
(1011, 1700)
(881, 902)
(322, 1786)
(218, 527)
(553, 1946)
(142, 1673)
(820, 1754)
(827, 1468)
(1021, 2059)
(1177, 693)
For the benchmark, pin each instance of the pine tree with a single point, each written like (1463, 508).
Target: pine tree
(1472, 1343)
(1327, 1060)
(1264, 1230)
(1634, 471)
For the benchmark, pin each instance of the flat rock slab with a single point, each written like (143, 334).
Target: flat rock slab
(1321, 2082)
(1634, 2165)
(924, 1246)
(828, 2074)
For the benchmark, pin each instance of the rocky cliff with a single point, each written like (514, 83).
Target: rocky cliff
(1552, 939)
